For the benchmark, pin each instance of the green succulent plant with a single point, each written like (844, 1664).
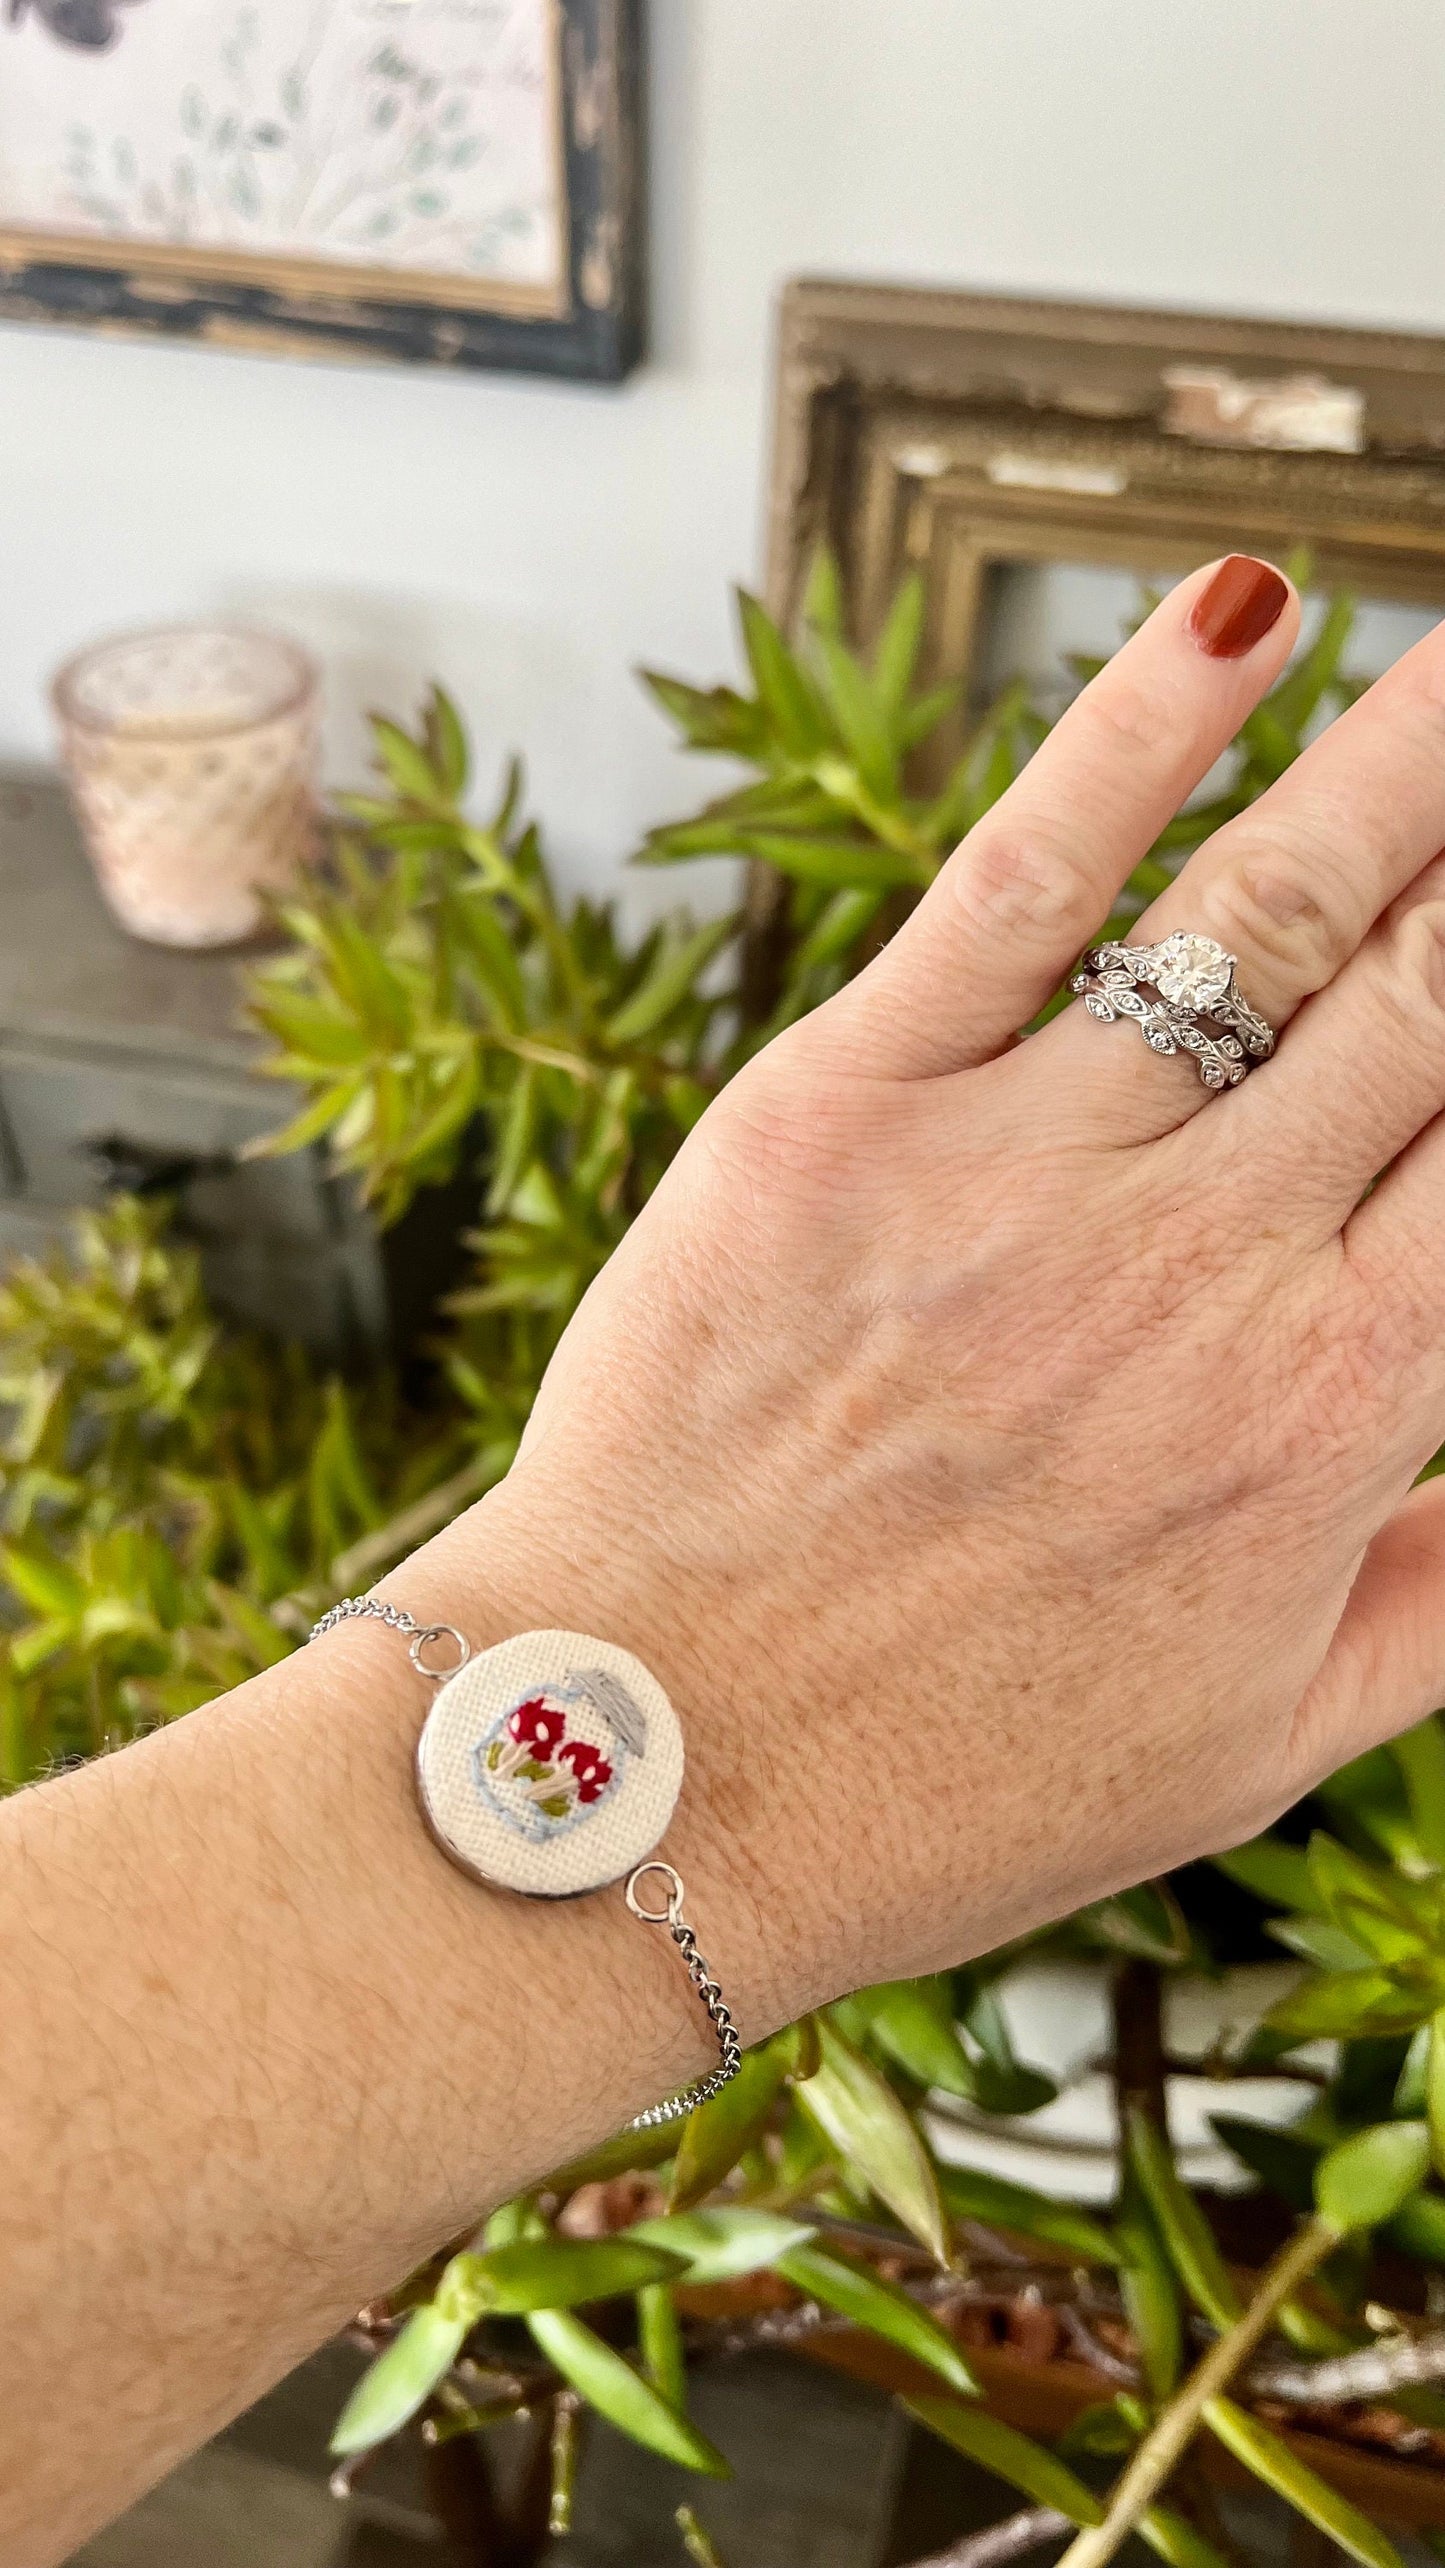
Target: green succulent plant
(178, 1498)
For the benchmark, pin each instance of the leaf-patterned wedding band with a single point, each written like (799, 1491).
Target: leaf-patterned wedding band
(1196, 1005)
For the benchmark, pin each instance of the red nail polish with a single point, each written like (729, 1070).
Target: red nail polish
(1242, 601)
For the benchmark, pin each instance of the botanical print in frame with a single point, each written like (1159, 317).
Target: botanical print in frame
(445, 179)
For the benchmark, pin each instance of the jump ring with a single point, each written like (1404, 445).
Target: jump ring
(438, 1632)
(667, 1916)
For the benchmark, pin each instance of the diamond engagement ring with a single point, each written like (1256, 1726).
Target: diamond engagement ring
(1196, 1008)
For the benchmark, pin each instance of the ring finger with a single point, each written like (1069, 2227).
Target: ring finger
(1290, 888)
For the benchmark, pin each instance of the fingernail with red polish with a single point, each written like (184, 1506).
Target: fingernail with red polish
(1242, 601)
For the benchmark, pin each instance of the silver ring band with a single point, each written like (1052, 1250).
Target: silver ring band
(1196, 1005)
(1194, 973)
(1220, 1060)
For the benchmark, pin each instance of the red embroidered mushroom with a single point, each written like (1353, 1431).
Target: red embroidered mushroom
(536, 1726)
(590, 1767)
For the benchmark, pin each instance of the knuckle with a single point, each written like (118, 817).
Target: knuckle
(1420, 703)
(1128, 719)
(1418, 962)
(1289, 902)
(1011, 878)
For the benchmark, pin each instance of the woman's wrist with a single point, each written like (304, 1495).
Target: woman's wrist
(300, 2049)
(519, 1561)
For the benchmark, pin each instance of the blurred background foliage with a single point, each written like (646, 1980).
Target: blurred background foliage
(179, 1498)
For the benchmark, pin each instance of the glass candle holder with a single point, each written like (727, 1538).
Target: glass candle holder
(191, 754)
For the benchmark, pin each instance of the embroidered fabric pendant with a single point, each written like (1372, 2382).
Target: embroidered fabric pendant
(550, 1764)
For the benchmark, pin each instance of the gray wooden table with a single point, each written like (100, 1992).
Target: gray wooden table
(129, 1064)
(816, 2467)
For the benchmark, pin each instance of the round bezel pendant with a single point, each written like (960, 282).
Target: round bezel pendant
(550, 1764)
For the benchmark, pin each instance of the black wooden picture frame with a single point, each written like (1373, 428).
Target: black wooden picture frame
(310, 308)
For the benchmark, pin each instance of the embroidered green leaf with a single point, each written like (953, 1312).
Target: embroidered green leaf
(621, 2395)
(401, 2379)
(858, 2114)
(725, 2241)
(720, 2131)
(860, 2294)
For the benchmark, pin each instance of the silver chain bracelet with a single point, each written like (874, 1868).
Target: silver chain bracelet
(518, 1798)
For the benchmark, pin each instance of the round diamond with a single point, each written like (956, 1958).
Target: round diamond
(1191, 971)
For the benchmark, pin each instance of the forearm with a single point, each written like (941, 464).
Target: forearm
(272, 2048)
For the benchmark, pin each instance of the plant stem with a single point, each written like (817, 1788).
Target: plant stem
(697, 2541)
(460, 2492)
(1137, 2005)
(1178, 2422)
(1000, 2543)
(564, 2462)
(1373, 2373)
(403, 1532)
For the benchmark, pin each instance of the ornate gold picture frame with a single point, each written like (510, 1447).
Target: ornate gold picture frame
(965, 434)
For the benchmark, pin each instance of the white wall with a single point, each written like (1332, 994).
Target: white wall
(529, 543)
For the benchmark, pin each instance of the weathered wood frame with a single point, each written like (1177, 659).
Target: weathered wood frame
(955, 431)
(961, 433)
(322, 308)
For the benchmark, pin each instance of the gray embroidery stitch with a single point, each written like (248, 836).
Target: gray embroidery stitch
(617, 1707)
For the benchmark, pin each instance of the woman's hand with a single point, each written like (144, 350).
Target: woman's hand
(1001, 1454)
(1002, 1451)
